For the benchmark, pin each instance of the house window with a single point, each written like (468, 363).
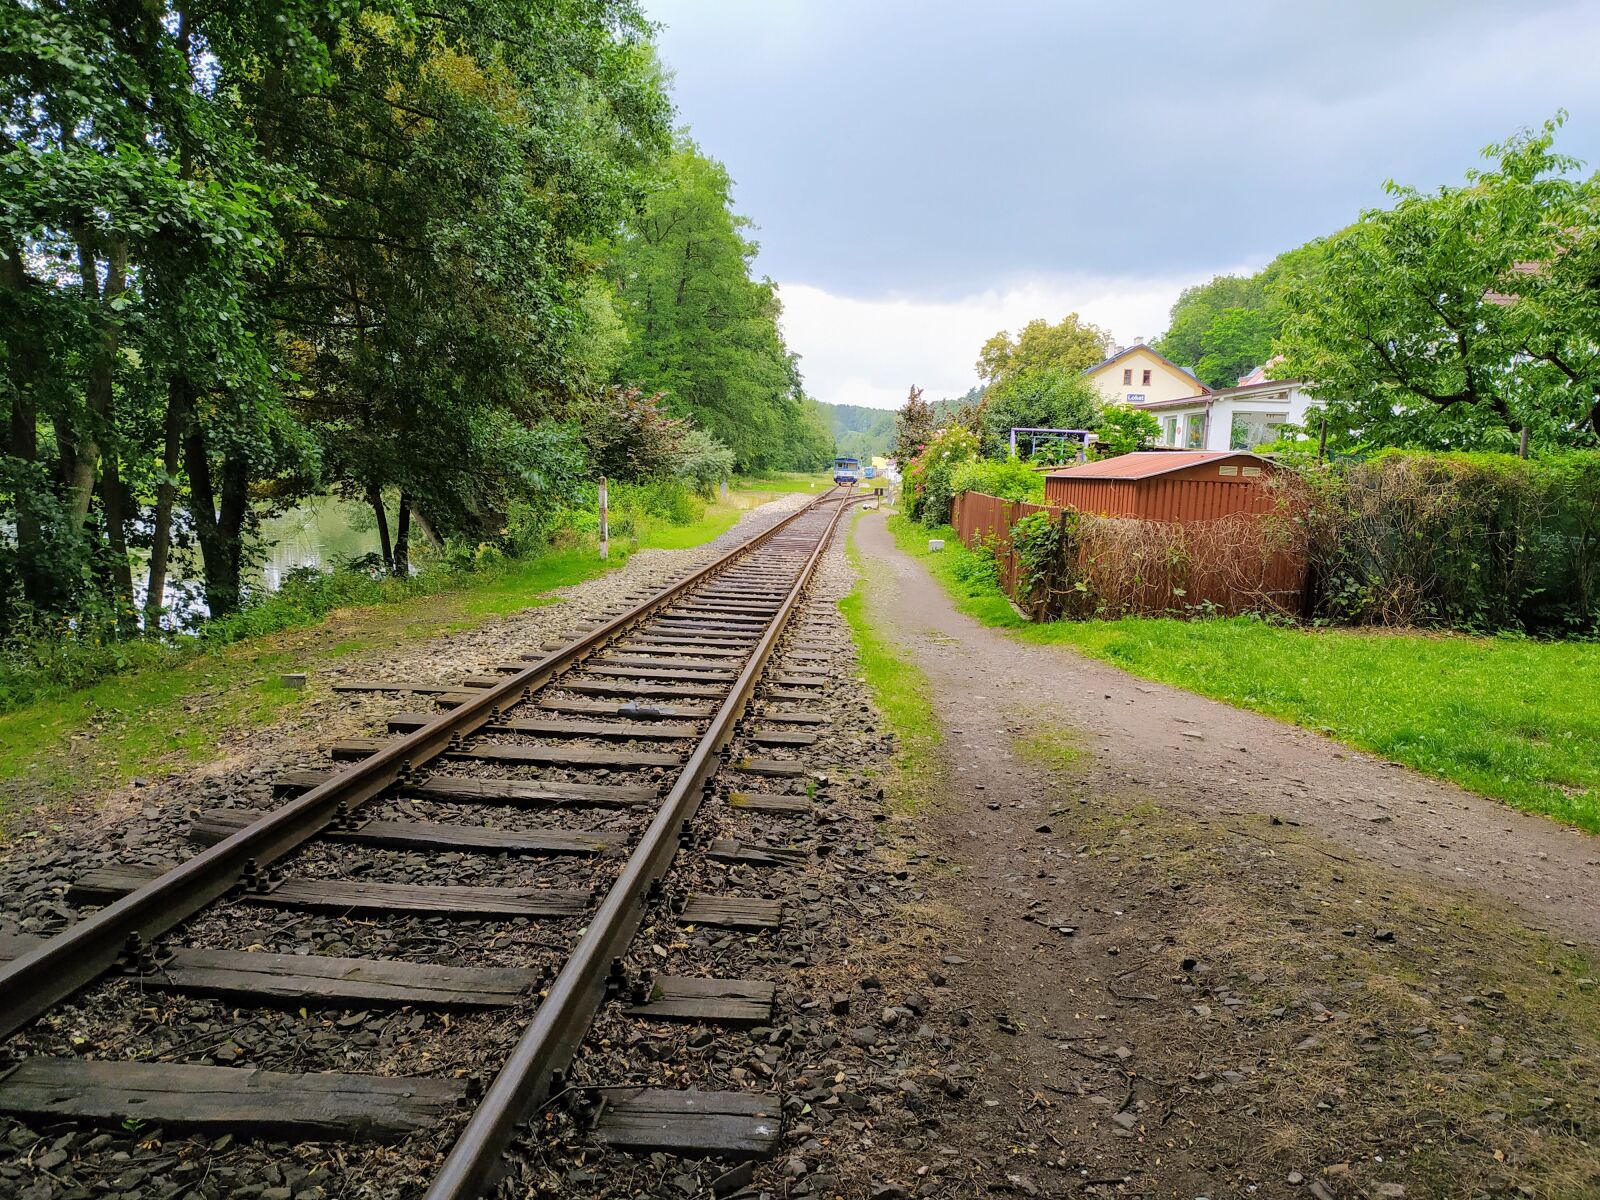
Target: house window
(1195, 432)
(1251, 429)
(1127, 377)
(1169, 431)
(1146, 380)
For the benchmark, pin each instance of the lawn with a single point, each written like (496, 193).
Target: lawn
(176, 709)
(1510, 718)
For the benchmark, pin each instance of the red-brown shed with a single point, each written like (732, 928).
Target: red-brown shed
(1163, 485)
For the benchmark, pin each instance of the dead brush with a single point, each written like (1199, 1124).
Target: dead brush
(1245, 562)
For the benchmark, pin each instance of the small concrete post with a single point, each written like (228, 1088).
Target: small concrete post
(605, 522)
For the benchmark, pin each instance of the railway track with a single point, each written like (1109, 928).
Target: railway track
(519, 835)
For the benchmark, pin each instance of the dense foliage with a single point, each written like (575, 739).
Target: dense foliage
(1226, 328)
(1468, 541)
(448, 261)
(702, 330)
(1461, 318)
(929, 477)
(1009, 478)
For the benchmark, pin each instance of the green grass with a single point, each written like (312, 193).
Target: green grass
(1052, 746)
(785, 481)
(175, 706)
(898, 688)
(1509, 718)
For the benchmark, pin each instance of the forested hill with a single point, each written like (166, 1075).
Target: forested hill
(860, 431)
(865, 432)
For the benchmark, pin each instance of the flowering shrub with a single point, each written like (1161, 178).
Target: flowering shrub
(929, 474)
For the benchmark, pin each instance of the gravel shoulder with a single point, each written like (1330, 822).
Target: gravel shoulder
(1191, 951)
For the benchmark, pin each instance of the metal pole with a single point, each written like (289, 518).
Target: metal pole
(605, 522)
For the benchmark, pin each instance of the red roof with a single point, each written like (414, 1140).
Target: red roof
(1144, 464)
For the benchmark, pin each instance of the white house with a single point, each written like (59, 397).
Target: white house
(1236, 418)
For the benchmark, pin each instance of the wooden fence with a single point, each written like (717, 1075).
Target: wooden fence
(1123, 566)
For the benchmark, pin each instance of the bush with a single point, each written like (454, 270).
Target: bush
(1009, 479)
(1478, 542)
(703, 462)
(929, 474)
(1124, 429)
(669, 500)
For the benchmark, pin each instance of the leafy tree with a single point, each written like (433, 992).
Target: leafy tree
(914, 426)
(1069, 346)
(1462, 317)
(475, 153)
(701, 330)
(1235, 343)
(1226, 328)
(1197, 309)
(1039, 398)
(703, 462)
(630, 435)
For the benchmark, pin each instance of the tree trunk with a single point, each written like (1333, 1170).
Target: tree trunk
(102, 366)
(23, 366)
(155, 594)
(219, 535)
(375, 498)
(114, 500)
(402, 538)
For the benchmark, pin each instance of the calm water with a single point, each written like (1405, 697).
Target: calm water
(322, 533)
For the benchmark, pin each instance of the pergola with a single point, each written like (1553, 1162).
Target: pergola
(1079, 437)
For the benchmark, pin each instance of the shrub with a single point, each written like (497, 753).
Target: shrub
(703, 462)
(1477, 542)
(1009, 479)
(1124, 429)
(928, 475)
(666, 499)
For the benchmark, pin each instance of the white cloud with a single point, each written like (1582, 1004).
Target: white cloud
(856, 350)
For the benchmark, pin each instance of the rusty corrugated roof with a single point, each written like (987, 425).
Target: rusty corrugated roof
(1144, 464)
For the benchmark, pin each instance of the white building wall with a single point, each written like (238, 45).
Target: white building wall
(1257, 413)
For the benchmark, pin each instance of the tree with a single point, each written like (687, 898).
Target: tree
(1039, 398)
(474, 156)
(701, 330)
(1460, 318)
(1197, 309)
(1226, 328)
(1071, 345)
(914, 426)
(1234, 344)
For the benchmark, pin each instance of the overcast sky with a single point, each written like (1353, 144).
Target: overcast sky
(925, 172)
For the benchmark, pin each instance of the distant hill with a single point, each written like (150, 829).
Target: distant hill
(865, 432)
(859, 431)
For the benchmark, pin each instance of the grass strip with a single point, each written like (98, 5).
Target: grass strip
(1501, 716)
(898, 688)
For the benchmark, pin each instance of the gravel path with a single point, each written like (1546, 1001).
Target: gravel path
(1189, 951)
(1222, 759)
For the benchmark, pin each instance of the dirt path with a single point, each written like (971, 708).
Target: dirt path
(1190, 951)
(1226, 761)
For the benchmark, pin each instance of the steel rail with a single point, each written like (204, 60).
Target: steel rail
(33, 983)
(546, 1048)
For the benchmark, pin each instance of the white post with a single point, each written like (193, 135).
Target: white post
(605, 522)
